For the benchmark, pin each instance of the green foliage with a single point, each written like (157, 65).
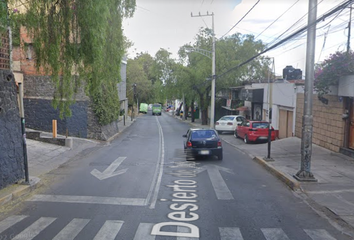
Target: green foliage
(79, 42)
(329, 72)
(3, 18)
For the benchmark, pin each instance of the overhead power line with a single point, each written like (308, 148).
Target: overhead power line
(323, 17)
(241, 18)
(276, 19)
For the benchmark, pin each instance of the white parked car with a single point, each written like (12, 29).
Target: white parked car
(228, 123)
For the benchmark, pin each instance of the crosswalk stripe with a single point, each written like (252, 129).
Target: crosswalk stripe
(109, 230)
(33, 230)
(319, 234)
(274, 234)
(184, 230)
(10, 221)
(71, 230)
(144, 232)
(230, 233)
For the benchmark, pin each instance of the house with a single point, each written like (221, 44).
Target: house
(333, 117)
(253, 102)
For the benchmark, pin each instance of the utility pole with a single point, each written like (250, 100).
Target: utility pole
(349, 28)
(305, 174)
(212, 105)
(23, 128)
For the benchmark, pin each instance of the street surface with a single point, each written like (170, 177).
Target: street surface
(141, 187)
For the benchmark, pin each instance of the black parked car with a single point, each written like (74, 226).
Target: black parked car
(202, 142)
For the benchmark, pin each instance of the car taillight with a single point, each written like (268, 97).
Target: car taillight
(252, 129)
(217, 123)
(219, 144)
(230, 123)
(189, 144)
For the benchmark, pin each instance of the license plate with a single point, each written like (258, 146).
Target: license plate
(204, 152)
(263, 137)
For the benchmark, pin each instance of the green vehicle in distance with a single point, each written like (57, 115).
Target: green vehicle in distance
(156, 109)
(143, 108)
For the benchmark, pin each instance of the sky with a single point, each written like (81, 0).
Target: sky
(168, 24)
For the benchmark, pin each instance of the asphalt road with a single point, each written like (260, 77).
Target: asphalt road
(140, 187)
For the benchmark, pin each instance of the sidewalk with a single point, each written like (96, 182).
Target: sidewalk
(45, 157)
(334, 171)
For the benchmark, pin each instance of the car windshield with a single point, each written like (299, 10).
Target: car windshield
(227, 118)
(156, 105)
(260, 125)
(203, 134)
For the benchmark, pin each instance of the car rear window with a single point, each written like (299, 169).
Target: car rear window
(156, 105)
(227, 118)
(260, 125)
(200, 134)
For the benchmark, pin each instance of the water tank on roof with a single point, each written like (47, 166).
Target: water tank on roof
(291, 73)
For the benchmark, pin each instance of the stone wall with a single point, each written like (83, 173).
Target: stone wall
(328, 125)
(11, 148)
(39, 112)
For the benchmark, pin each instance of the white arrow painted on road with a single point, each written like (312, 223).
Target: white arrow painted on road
(111, 170)
(221, 190)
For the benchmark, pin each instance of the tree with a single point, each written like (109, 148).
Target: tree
(230, 52)
(79, 41)
(137, 75)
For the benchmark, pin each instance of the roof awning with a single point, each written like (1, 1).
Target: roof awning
(243, 108)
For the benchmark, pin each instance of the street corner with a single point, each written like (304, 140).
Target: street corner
(292, 183)
(18, 190)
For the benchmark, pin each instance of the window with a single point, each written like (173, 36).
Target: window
(227, 118)
(260, 125)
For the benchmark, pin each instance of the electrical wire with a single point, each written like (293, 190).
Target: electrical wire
(328, 14)
(298, 21)
(277, 19)
(241, 18)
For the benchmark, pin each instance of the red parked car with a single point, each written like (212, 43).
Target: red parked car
(252, 131)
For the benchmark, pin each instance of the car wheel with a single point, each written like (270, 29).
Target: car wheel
(219, 132)
(246, 139)
(220, 156)
(235, 134)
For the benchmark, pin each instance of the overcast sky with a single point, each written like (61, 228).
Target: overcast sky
(168, 24)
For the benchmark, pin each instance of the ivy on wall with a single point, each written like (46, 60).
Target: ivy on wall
(76, 42)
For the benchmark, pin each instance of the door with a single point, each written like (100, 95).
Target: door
(351, 127)
(285, 123)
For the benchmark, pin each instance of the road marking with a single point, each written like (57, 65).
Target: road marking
(184, 230)
(10, 221)
(88, 199)
(70, 231)
(110, 171)
(331, 191)
(274, 234)
(221, 190)
(230, 233)
(109, 230)
(33, 230)
(155, 187)
(143, 232)
(319, 234)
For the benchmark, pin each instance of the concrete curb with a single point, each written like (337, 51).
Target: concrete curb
(291, 183)
(120, 132)
(20, 190)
